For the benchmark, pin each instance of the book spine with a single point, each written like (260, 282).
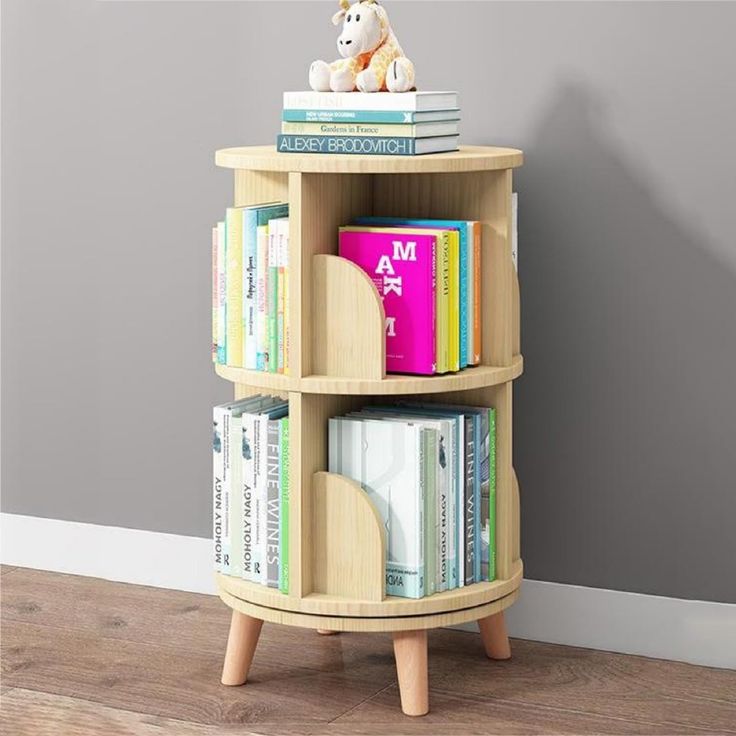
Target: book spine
(215, 295)
(272, 304)
(469, 498)
(221, 293)
(443, 294)
(354, 144)
(348, 116)
(262, 493)
(249, 288)
(443, 557)
(477, 549)
(273, 525)
(460, 501)
(280, 296)
(226, 491)
(492, 496)
(234, 226)
(470, 282)
(251, 505)
(262, 298)
(430, 516)
(392, 130)
(453, 299)
(451, 476)
(247, 497)
(308, 100)
(218, 472)
(485, 494)
(463, 298)
(236, 508)
(284, 502)
(476, 293)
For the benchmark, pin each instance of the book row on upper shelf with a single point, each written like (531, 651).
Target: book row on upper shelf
(427, 272)
(398, 124)
(430, 471)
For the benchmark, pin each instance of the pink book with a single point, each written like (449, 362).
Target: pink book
(402, 265)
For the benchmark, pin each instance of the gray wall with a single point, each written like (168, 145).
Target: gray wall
(626, 416)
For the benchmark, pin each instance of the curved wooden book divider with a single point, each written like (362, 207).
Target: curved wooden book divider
(348, 321)
(348, 540)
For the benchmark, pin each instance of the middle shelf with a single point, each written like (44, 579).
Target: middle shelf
(469, 378)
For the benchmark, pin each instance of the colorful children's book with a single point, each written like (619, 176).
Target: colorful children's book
(221, 293)
(465, 280)
(255, 216)
(402, 265)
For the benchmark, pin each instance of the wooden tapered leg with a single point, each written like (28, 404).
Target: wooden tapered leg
(241, 646)
(410, 650)
(495, 639)
(327, 632)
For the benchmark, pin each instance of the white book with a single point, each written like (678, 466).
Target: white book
(221, 292)
(386, 459)
(446, 527)
(403, 101)
(218, 477)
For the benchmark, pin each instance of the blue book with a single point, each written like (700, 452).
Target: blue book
(369, 116)
(365, 145)
(465, 229)
(252, 218)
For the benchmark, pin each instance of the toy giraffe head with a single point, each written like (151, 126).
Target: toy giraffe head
(365, 27)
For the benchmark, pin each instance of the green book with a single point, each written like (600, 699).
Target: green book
(284, 503)
(429, 476)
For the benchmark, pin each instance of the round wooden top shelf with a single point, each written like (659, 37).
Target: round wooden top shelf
(469, 378)
(441, 609)
(468, 158)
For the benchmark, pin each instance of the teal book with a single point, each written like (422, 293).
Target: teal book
(365, 145)
(253, 217)
(370, 116)
(284, 504)
(465, 230)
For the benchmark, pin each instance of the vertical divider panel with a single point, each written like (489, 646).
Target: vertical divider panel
(319, 204)
(260, 187)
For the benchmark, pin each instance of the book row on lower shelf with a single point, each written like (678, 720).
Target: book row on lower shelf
(427, 272)
(429, 469)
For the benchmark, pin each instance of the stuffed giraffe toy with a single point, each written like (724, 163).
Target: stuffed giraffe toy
(372, 59)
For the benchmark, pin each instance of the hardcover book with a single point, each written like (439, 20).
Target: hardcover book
(370, 116)
(402, 265)
(404, 101)
(221, 293)
(284, 495)
(386, 458)
(273, 525)
(365, 145)
(386, 130)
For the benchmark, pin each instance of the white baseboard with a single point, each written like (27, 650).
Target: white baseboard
(666, 628)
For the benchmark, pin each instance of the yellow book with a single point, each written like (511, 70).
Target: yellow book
(234, 285)
(442, 285)
(454, 299)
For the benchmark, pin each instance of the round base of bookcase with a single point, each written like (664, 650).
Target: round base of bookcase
(318, 611)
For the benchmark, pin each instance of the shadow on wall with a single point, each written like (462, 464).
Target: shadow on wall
(626, 416)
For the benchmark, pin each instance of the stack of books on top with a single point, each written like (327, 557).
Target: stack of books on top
(250, 483)
(378, 123)
(430, 470)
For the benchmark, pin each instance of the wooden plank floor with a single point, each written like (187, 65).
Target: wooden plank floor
(84, 657)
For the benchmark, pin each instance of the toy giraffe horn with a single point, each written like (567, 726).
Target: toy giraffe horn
(344, 7)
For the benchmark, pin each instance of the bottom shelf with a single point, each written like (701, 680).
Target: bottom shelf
(321, 611)
(368, 624)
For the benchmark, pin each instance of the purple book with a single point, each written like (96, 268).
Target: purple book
(402, 265)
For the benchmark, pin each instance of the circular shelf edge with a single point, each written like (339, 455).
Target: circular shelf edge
(319, 604)
(467, 158)
(480, 376)
(352, 623)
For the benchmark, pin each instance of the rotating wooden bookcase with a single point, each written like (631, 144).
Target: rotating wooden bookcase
(337, 364)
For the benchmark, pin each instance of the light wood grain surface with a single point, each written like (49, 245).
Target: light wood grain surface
(468, 158)
(85, 657)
